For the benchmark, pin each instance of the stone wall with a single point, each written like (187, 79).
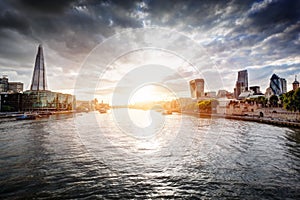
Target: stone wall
(277, 113)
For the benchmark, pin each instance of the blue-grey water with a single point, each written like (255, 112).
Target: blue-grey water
(110, 156)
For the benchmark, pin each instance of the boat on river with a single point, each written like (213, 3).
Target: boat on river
(102, 110)
(167, 112)
(26, 117)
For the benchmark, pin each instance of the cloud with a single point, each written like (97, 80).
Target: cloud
(272, 12)
(42, 7)
(12, 20)
(230, 35)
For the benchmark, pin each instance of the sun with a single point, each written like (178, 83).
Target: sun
(148, 93)
(145, 93)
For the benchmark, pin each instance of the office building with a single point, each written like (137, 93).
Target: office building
(38, 98)
(283, 85)
(197, 88)
(278, 85)
(15, 87)
(241, 83)
(10, 87)
(39, 74)
(256, 90)
(4, 84)
(47, 101)
(221, 93)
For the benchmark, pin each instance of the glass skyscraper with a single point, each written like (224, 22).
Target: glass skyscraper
(38, 98)
(39, 73)
(278, 85)
(241, 83)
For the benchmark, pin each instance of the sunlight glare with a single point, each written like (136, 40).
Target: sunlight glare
(149, 93)
(144, 94)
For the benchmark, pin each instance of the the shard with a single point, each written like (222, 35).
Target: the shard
(39, 73)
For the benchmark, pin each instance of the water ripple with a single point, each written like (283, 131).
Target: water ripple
(74, 157)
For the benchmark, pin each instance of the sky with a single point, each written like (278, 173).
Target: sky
(107, 47)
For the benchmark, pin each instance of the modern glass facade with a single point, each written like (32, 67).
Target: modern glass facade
(47, 100)
(39, 75)
(278, 85)
(11, 102)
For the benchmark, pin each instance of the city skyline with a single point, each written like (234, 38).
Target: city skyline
(259, 36)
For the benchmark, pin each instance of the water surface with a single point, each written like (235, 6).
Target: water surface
(94, 155)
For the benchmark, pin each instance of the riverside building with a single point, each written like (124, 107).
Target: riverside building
(10, 87)
(38, 98)
(10, 95)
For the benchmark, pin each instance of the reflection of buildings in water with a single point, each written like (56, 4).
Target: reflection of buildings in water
(27, 155)
(292, 141)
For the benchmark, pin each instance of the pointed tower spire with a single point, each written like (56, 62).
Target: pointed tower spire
(39, 73)
(295, 84)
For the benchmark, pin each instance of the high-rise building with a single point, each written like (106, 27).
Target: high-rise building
(283, 85)
(39, 73)
(4, 84)
(15, 87)
(38, 98)
(278, 85)
(197, 88)
(241, 83)
(255, 89)
(295, 84)
(221, 93)
(10, 87)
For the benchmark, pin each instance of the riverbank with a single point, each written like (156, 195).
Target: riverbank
(254, 118)
(273, 121)
(8, 115)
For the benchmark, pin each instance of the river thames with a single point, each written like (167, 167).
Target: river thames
(144, 155)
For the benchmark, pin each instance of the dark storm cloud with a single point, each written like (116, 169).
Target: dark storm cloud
(86, 18)
(52, 6)
(79, 25)
(12, 20)
(201, 13)
(276, 12)
(238, 33)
